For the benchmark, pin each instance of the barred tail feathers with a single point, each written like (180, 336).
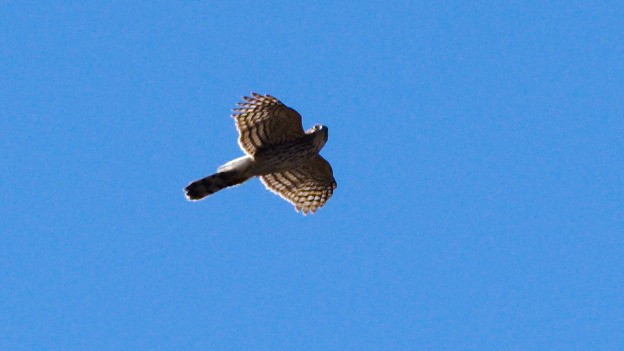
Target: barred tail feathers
(201, 188)
(232, 173)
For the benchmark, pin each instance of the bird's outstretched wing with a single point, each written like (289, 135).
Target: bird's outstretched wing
(263, 120)
(307, 187)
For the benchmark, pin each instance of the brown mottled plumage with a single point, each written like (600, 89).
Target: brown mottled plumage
(278, 151)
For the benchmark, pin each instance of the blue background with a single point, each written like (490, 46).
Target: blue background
(478, 150)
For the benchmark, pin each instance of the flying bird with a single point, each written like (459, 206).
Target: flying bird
(278, 151)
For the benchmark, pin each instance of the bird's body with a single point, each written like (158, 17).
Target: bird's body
(278, 151)
(287, 155)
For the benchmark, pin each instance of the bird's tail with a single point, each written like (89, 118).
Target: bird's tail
(232, 173)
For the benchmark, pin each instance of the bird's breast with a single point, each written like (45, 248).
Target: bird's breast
(285, 156)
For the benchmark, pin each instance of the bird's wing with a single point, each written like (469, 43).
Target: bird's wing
(263, 120)
(307, 187)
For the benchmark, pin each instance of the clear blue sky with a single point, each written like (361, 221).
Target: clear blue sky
(478, 150)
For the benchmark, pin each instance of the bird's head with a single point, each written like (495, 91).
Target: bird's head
(321, 133)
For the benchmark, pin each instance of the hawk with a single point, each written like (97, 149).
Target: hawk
(279, 151)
